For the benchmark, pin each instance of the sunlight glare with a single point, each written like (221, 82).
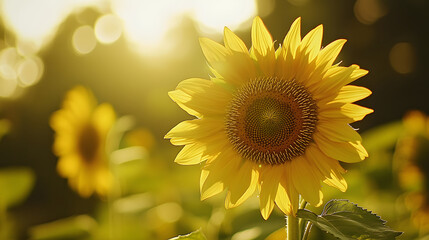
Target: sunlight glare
(215, 15)
(36, 22)
(147, 22)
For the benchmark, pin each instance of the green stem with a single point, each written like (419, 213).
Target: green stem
(307, 231)
(302, 222)
(292, 228)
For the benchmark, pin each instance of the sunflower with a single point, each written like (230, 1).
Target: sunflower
(81, 128)
(272, 121)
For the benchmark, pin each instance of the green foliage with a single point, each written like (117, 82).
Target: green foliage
(197, 235)
(382, 137)
(15, 185)
(347, 221)
(68, 228)
(5, 126)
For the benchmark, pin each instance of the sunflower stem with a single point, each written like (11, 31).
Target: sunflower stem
(302, 222)
(307, 231)
(292, 228)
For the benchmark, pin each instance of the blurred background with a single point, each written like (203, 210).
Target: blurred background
(130, 53)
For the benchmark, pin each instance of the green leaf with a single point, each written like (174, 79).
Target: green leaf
(67, 228)
(15, 185)
(347, 221)
(197, 235)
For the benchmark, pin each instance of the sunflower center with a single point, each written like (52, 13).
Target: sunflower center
(88, 143)
(271, 121)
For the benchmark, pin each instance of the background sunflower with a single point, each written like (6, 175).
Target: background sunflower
(81, 128)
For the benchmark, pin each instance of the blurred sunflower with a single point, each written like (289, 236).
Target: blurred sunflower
(272, 120)
(81, 129)
(412, 163)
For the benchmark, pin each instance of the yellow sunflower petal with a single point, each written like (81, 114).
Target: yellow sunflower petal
(324, 61)
(201, 97)
(328, 167)
(263, 46)
(358, 73)
(63, 144)
(333, 80)
(338, 131)
(61, 121)
(213, 51)
(305, 181)
(349, 94)
(261, 38)
(343, 112)
(284, 193)
(270, 179)
(233, 42)
(103, 180)
(336, 182)
(191, 154)
(355, 112)
(191, 131)
(216, 174)
(287, 53)
(199, 151)
(68, 166)
(338, 77)
(306, 54)
(234, 67)
(293, 38)
(104, 117)
(84, 184)
(213, 183)
(310, 45)
(328, 54)
(79, 102)
(243, 186)
(342, 151)
(361, 150)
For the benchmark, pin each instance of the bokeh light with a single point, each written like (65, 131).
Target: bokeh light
(169, 212)
(108, 28)
(84, 40)
(369, 11)
(8, 59)
(18, 71)
(402, 57)
(30, 71)
(37, 21)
